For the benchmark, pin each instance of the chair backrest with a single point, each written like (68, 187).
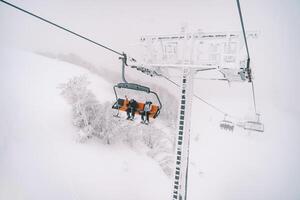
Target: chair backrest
(140, 107)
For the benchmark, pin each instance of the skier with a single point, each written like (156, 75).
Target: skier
(131, 109)
(145, 112)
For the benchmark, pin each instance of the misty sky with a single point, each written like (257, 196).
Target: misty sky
(119, 25)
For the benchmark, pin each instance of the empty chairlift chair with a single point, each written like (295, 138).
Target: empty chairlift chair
(254, 125)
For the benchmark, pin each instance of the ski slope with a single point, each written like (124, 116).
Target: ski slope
(39, 156)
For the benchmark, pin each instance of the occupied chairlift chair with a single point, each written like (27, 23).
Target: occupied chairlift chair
(122, 104)
(226, 124)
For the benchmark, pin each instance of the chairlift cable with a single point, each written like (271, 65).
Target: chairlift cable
(248, 55)
(243, 27)
(253, 96)
(61, 27)
(204, 101)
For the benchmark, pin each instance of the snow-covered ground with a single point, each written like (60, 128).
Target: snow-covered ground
(39, 156)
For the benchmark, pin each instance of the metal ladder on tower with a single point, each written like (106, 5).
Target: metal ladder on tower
(183, 136)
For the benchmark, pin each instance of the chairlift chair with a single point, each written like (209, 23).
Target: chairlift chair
(226, 125)
(254, 125)
(122, 104)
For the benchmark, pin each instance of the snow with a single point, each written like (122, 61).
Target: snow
(39, 156)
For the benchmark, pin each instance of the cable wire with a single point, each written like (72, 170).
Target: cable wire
(204, 101)
(243, 28)
(61, 27)
(253, 96)
(248, 55)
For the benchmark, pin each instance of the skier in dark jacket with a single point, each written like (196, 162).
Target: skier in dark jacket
(131, 109)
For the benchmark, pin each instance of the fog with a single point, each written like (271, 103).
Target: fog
(119, 25)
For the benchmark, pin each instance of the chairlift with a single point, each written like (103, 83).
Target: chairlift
(254, 125)
(226, 124)
(121, 104)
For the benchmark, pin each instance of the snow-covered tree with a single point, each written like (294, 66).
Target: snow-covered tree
(161, 147)
(85, 106)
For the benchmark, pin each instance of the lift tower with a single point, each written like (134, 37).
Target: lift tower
(190, 53)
